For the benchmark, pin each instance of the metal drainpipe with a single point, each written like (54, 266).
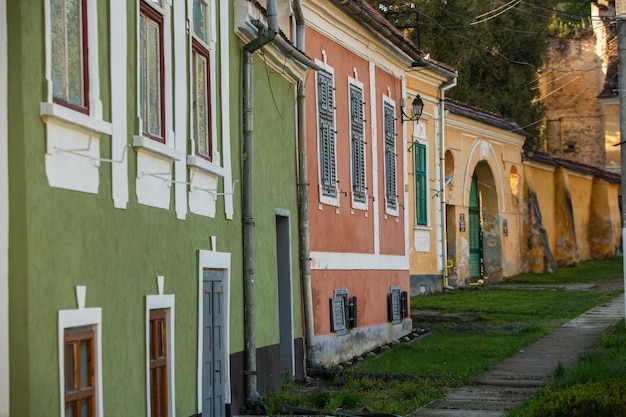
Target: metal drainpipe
(253, 398)
(451, 82)
(303, 206)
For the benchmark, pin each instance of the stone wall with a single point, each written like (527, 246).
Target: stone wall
(570, 85)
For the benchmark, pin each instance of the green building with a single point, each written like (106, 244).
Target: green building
(126, 246)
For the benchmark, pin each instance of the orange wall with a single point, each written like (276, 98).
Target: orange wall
(343, 229)
(377, 288)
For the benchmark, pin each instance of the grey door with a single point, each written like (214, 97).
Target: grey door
(213, 344)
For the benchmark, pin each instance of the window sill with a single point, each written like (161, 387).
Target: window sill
(66, 115)
(157, 148)
(205, 166)
(422, 227)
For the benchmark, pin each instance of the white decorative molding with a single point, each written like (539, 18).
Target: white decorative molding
(203, 192)
(76, 318)
(211, 259)
(153, 302)
(119, 104)
(358, 261)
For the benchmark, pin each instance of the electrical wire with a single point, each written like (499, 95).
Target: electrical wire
(495, 13)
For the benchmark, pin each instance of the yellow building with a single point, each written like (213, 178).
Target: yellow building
(481, 207)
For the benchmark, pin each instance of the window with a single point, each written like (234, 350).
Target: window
(343, 312)
(326, 126)
(357, 121)
(421, 192)
(79, 363)
(151, 72)
(398, 304)
(200, 84)
(70, 81)
(389, 123)
(158, 363)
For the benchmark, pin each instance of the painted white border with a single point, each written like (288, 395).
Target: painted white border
(179, 100)
(68, 129)
(74, 318)
(224, 23)
(392, 212)
(4, 217)
(119, 104)
(358, 261)
(154, 302)
(324, 199)
(419, 136)
(374, 139)
(357, 205)
(211, 259)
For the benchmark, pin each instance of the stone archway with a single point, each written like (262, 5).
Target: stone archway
(489, 223)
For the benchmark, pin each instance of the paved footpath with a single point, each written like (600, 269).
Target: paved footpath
(515, 379)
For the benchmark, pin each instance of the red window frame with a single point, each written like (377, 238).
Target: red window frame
(151, 13)
(199, 49)
(74, 396)
(85, 60)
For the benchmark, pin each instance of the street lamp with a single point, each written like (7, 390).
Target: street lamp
(417, 107)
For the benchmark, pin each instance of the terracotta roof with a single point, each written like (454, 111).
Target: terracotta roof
(362, 10)
(575, 166)
(483, 116)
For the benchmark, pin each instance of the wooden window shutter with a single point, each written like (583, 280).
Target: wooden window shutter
(338, 317)
(421, 203)
(353, 312)
(390, 156)
(326, 121)
(357, 122)
(395, 305)
(404, 301)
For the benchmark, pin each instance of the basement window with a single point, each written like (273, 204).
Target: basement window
(398, 304)
(343, 312)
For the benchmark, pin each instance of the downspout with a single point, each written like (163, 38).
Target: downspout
(303, 202)
(253, 398)
(451, 82)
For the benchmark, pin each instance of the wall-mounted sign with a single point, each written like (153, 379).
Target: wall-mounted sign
(505, 228)
(462, 222)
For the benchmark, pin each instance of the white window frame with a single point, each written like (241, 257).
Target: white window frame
(213, 166)
(49, 109)
(211, 259)
(419, 136)
(72, 136)
(359, 205)
(326, 199)
(390, 210)
(156, 302)
(76, 318)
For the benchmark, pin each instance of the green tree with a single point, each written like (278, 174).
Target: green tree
(496, 46)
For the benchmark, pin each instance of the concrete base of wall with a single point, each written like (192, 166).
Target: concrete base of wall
(268, 373)
(425, 284)
(332, 349)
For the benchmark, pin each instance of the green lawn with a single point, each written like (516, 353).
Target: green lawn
(497, 322)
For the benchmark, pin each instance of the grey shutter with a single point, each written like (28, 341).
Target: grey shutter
(338, 317)
(357, 122)
(395, 305)
(390, 156)
(326, 119)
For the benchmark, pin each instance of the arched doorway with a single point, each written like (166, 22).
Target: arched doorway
(485, 257)
(475, 233)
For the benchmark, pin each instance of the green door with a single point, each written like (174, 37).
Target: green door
(475, 233)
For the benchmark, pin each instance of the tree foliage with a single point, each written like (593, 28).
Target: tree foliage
(497, 46)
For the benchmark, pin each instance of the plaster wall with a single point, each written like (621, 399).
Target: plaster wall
(612, 136)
